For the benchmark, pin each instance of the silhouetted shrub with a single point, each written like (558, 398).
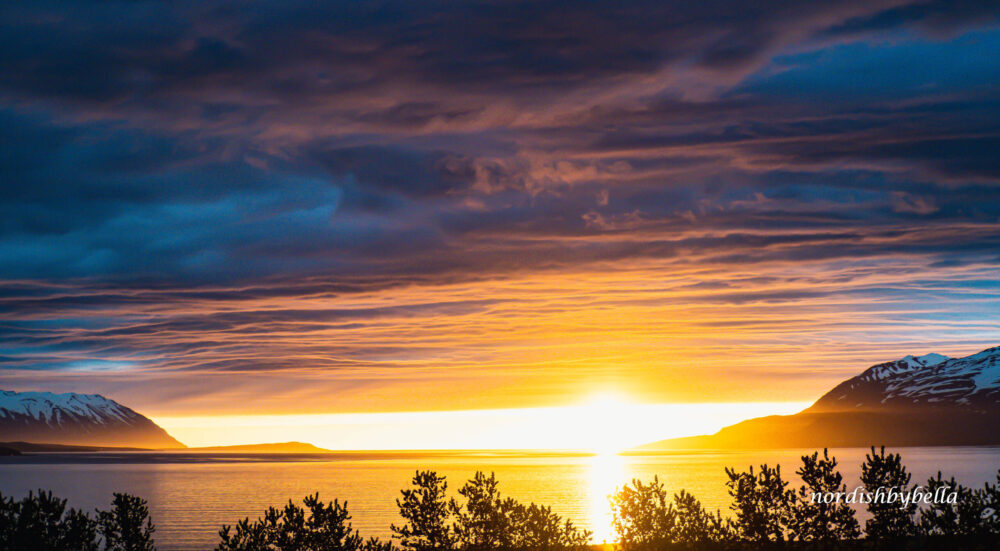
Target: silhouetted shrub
(426, 510)
(41, 522)
(880, 474)
(127, 526)
(317, 527)
(761, 503)
(972, 514)
(484, 521)
(816, 519)
(989, 497)
(939, 518)
(695, 525)
(643, 518)
(537, 528)
(488, 521)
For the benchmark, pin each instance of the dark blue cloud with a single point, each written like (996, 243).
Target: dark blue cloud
(893, 70)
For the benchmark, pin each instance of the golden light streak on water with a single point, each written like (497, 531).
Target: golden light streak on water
(606, 475)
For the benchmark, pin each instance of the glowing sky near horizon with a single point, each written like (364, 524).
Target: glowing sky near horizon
(296, 209)
(601, 425)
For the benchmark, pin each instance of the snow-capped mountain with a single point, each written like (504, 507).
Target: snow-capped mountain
(81, 419)
(933, 380)
(929, 400)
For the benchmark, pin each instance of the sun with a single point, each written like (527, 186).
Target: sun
(610, 418)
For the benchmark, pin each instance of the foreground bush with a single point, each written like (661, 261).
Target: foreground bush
(766, 513)
(317, 527)
(644, 519)
(425, 508)
(488, 521)
(41, 522)
(127, 526)
(761, 505)
(965, 518)
(485, 521)
(817, 520)
(888, 521)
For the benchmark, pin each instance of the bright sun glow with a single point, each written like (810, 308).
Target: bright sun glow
(608, 415)
(605, 423)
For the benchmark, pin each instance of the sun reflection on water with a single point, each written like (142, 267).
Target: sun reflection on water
(607, 474)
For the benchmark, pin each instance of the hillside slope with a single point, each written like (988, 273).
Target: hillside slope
(929, 400)
(77, 419)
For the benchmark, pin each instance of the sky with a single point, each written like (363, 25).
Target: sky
(229, 209)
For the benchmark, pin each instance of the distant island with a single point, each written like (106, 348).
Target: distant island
(280, 447)
(930, 400)
(7, 451)
(18, 448)
(42, 447)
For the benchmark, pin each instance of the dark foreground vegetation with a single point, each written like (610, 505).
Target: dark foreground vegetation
(765, 514)
(41, 522)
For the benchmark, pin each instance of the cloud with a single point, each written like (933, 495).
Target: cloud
(494, 195)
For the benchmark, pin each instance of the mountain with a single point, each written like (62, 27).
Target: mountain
(77, 419)
(972, 382)
(929, 400)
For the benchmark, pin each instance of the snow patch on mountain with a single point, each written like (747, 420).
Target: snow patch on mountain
(931, 379)
(904, 365)
(927, 360)
(989, 376)
(53, 409)
(77, 419)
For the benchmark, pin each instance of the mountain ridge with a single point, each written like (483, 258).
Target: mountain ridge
(972, 381)
(78, 419)
(927, 400)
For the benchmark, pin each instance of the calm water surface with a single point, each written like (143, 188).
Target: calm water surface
(192, 495)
